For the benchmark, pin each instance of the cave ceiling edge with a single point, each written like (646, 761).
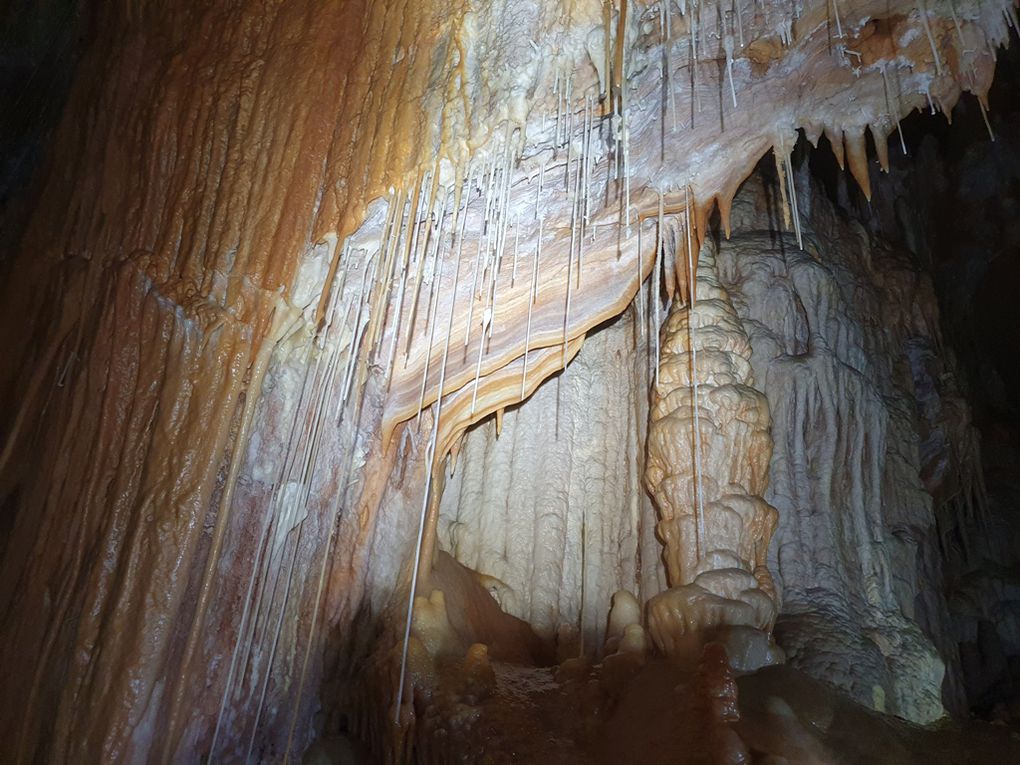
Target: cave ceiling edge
(568, 164)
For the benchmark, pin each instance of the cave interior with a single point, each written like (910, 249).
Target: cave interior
(510, 381)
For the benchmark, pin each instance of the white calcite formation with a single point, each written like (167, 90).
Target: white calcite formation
(548, 501)
(853, 553)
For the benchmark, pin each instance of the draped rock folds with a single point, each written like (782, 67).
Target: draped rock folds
(201, 154)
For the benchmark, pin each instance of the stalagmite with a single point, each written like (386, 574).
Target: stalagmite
(719, 582)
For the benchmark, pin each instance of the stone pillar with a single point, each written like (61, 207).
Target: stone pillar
(720, 581)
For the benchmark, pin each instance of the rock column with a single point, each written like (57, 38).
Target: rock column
(715, 567)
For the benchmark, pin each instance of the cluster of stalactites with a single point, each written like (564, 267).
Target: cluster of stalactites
(484, 277)
(482, 249)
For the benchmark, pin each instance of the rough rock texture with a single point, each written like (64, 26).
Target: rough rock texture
(708, 456)
(830, 329)
(965, 223)
(158, 276)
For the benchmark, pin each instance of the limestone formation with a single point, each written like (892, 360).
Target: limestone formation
(551, 505)
(709, 448)
(829, 328)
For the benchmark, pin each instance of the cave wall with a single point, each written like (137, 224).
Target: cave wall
(157, 281)
(551, 504)
(832, 328)
(846, 345)
(951, 201)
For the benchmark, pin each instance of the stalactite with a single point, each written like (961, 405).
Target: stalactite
(699, 491)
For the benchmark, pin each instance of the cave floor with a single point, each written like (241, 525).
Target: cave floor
(650, 713)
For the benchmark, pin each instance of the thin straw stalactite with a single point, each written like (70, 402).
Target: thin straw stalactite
(692, 289)
(430, 454)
